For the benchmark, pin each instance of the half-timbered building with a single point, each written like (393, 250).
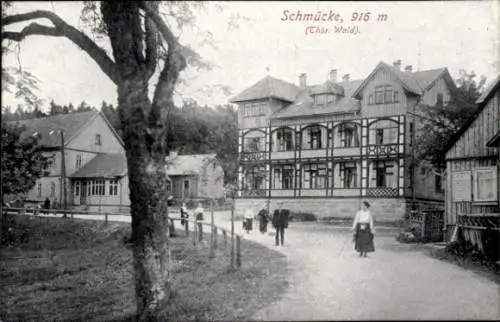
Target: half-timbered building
(473, 170)
(323, 148)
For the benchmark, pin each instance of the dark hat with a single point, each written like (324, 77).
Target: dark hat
(367, 204)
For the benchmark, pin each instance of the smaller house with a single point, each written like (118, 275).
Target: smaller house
(102, 184)
(196, 176)
(473, 171)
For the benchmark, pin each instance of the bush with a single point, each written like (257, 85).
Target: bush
(303, 216)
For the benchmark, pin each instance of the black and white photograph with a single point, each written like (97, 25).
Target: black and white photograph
(250, 161)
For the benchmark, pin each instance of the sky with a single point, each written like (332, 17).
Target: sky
(427, 35)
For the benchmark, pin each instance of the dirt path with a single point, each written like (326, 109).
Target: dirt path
(329, 281)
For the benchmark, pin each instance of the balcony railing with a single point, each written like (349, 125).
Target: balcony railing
(382, 192)
(253, 156)
(254, 193)
(383, 150)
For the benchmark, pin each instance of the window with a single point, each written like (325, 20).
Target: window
(379, 95)
(485, 185)
(113, 187)
(169, 187)
(78, 161)
(313, 138)
(283, 176)
(319, 99)
(254, 178)
(411, 133)
(379, 136)
(39, 189)
(330, 98)
(253, 144)
(438, 184)
(77, 188)
(314, 176)
(348, 134)
(284, 138)
(383, 175)
(98, 187)
(97, 139)
(383, 94)
(254, 109)
(186, 186)
(52, 189)
(383, 132)
(439, 99)
(348, 175)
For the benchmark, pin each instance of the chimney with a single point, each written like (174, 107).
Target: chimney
(303, 81)
(172, 154)
(397, 64)
(333, 76)
(408, 68)
(345, 78)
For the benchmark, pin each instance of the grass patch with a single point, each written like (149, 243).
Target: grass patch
(55, 269)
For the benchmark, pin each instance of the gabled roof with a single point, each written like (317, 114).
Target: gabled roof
(69, 123)
(407, 80)
(104, 166)
(489, 91)
(305, 105)
(268, 87)
(426, 78)
(482, 101)
(188, 164)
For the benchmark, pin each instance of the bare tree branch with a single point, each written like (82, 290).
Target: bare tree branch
(61, 28)
(151, 43)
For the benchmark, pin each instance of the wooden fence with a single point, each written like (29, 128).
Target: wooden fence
(431, 224)
(197, 225)
(481, 230)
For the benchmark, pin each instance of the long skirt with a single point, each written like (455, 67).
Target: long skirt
(263, 225)
(363, 239)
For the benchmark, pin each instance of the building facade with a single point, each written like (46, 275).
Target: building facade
(195, 176)
(473, 166)
(95, 173)
(324, 148)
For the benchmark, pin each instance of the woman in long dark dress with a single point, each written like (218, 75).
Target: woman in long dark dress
(263, 220)
(363, 230)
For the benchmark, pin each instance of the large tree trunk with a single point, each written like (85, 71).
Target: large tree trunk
(147, 182)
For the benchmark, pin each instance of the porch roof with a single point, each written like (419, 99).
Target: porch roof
(103, 166)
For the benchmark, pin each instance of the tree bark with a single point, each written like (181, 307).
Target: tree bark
(147, 182)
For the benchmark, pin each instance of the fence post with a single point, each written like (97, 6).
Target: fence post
(232, 235)
(216, 234)
(200, 231)
(238, 251)
(72, 217)
(224, 232)
(186, 227)
(106, 217)
(424, 222)
(212, 237)
(195, 228)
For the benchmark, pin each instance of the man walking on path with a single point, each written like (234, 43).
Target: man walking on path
(280, 222)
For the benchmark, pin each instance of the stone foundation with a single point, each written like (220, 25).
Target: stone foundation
(384, 209)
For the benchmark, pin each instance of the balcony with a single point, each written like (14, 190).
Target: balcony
(346, 152)
(313, 192)
(383, 150)
(254, 193)
(317, 153)
(253, 156)
(382, 192)
(283, 155)
(341, 192)
(282, 193)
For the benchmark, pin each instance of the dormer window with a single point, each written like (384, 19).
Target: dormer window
(319, 99)
(97, 139)
(439, 99)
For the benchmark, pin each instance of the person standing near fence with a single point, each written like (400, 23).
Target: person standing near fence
(363, 230)
(199, 211)
(184, 214)
(280, 222)
(263, 217)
